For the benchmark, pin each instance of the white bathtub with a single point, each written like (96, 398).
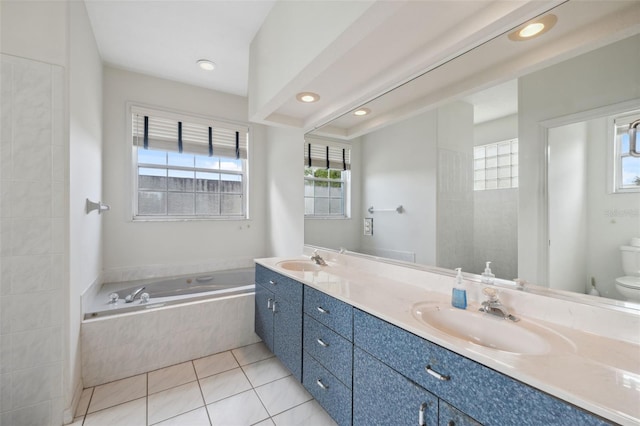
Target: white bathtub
(126, 339)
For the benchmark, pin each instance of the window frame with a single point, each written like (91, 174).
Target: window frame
(618, 155)
(346, 194)
(132, 150)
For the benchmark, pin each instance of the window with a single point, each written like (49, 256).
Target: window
(187, 167)
(627, 168)
(326, 180)
(495, 165)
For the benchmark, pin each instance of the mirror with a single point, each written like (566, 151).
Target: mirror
(464, 149)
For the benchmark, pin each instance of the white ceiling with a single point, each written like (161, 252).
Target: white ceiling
(166, 38)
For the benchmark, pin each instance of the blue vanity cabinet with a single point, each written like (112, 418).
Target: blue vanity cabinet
(382, 396)
(278, 317)
(328, 353)
(489, 397)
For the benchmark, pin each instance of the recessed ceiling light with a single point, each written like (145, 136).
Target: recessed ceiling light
(362, 111)
(533, 28)
(307, 97)
(206, 64)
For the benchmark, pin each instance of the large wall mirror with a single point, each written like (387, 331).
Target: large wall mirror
(514, 152)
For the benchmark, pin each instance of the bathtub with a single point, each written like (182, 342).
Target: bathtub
(186, 317)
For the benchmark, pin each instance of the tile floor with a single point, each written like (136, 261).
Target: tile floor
(244, 386)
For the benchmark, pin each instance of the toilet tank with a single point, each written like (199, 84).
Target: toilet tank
(630, 260)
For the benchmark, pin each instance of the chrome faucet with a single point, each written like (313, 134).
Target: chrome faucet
(318, 259)
(493, 306)
(133, 295)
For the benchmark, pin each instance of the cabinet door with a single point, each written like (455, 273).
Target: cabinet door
(264, 315)
(287, 335)
(449, 416)
(382, 396)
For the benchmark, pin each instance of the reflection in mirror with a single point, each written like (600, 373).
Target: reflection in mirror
(464, 149)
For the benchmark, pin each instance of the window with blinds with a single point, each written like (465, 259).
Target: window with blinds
(326, 179)
(626, 167)
(188, 167)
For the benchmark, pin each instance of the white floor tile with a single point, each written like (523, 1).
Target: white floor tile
(132, 413)
(170, 377)
(174, 401)
(117, 392)
(241, 410)
(267, 422)
(308, 414)
(83, 404)
(215, 364)
(282, 395)
(265, 371)
(252, 353)
(197, 417)
(223, 385)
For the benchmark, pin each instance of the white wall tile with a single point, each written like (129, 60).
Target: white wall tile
(31, 199)
(5, 392)
(31, 347)
(31, 236)
(28, 274)
(36, 385)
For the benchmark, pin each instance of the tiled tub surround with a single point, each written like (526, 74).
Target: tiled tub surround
(600, 373)
(169, 291)
(33, 275)
(125, 345)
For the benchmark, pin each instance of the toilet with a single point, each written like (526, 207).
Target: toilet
(629, 285)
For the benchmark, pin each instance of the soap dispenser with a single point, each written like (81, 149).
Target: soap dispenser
(459, 294)
(487, 275)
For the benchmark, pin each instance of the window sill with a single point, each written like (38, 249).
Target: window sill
(188, 219)
(327, 217)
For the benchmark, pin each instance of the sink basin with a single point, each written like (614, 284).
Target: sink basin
(520, 337)
(300, 265)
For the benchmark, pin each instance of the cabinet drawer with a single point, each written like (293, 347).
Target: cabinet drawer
(283, 287)
(334, 396)
(330, 311)
(331, 350)
(505, 400)
(382, 396)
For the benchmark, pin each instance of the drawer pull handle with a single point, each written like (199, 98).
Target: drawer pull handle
(273, 306)
(322, 310)
(437, 375)
(421, 419)
(272, 282)
(322, 385)
(322, 343)
(269, 302)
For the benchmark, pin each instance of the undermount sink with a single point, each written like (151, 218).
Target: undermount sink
(485, 330)
(301, 265)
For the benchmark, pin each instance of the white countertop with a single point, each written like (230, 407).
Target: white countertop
(597, 373)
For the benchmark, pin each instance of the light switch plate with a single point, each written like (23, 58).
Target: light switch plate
(368, 226)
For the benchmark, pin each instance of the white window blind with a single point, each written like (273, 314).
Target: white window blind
(172, 133)
(327, 154)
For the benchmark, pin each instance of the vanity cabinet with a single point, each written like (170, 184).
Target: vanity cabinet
(328, 353)
(278, 317)
(477, 392)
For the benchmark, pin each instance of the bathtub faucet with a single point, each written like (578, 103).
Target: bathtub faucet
(133, 295)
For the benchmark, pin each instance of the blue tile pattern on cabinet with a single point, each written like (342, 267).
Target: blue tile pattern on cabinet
(287, 334)
(283, 287)
(448, 415)
(333, 351)
(336, 398)
(382, 396)
(330, 311)
(264, 315)
(486, 395)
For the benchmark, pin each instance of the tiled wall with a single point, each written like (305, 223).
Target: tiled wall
(32, 242)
